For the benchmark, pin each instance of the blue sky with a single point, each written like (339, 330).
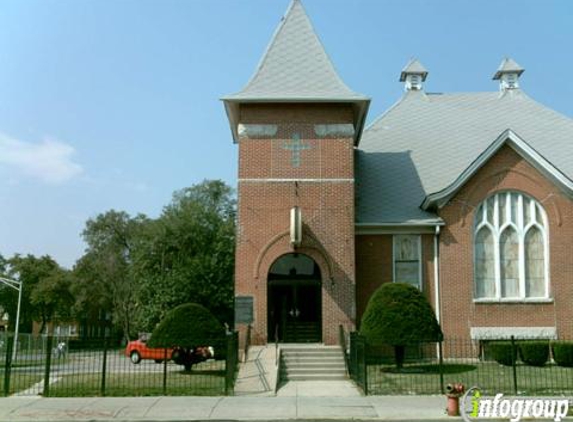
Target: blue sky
(115, 103)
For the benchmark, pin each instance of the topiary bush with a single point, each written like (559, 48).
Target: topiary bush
(399, 315)
(503, 352)
(563, 353)
(534, 353)
(189, 328)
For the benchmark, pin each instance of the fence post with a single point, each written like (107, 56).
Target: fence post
(514, 363)
(441, 366)
(8, 364)
(165, 372)
(231, 362)
(227, 364)
(104, 367)
(50, 341)
(365, 365)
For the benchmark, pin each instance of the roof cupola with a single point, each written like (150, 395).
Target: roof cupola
(414, 74)
(508, 74)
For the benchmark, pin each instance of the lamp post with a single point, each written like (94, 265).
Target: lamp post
(16, 285)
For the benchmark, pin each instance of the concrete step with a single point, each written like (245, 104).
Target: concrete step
(311, 351)
(314, 356)
(312, 363)
(312, 371)
(286, 347)
(316, 361)
(319, 377)
(316, 365)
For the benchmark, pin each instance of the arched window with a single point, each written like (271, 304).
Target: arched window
(510, 248)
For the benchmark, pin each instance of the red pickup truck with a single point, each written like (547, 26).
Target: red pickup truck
(137, 350)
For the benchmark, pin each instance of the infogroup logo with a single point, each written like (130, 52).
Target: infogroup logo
(475, 406)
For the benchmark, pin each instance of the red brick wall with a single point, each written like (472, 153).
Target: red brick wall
(505, 171)
(327, 209)
(374, 266)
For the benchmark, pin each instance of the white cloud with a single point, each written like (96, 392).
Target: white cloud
(50, 160)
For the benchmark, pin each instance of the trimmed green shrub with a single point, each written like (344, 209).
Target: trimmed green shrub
(563, 353)
(189, 328)
(188, 325)
(399, 315)
(503, 352)
(534, 353)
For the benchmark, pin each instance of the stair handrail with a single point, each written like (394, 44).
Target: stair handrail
(276, 344)
(342, 343)
(247, 343)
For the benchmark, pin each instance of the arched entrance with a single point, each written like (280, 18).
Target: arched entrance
(294, 300)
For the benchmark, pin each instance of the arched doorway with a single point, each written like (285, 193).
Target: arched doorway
(294, 300)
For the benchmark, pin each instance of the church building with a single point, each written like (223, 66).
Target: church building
(467, 196)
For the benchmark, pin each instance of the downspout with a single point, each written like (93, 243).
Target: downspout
(437, 279)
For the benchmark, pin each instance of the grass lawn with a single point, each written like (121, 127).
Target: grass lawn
(19, 381)
(489, 376)
(198, 382)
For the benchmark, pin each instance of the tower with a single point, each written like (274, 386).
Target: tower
(296, 125)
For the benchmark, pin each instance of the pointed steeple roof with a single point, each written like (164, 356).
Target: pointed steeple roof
(295, 66)
(296, 69)
(508, 65)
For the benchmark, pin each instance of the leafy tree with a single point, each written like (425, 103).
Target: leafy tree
(52, 297)
(187, 254)
(399, 315)
(104, 275)
(188, 327)
(45, 290)
(3, 265)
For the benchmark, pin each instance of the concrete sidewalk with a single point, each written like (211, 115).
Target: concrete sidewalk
(389, 408)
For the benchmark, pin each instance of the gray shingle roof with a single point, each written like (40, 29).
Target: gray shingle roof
(296, 66)
(423, 143)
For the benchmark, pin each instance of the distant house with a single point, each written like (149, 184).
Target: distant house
(95, 324)
(467, 196)
(58, 329)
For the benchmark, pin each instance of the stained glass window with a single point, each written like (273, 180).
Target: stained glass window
(510, 248)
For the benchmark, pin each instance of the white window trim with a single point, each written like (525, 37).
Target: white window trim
(419, 240)
(521, 231)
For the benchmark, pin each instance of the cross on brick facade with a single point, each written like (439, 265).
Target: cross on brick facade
(296, 146)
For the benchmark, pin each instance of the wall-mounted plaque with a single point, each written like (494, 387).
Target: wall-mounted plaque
(243, 309)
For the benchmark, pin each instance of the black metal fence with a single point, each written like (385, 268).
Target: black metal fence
(358, 368)
(429, 367)
(98, 368)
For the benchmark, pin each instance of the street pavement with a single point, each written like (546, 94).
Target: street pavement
(296, 407)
